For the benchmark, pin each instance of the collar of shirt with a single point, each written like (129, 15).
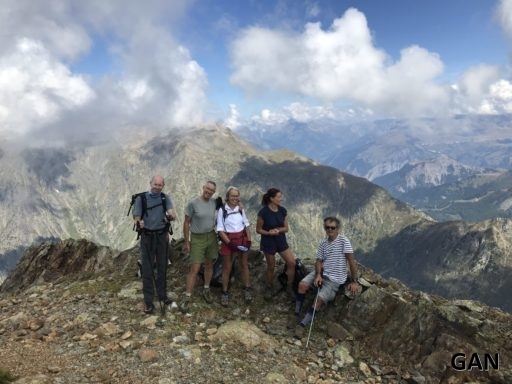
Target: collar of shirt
(229, 209)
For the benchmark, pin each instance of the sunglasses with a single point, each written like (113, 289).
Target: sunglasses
(327, 228)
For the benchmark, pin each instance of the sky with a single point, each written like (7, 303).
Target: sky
(79, 69)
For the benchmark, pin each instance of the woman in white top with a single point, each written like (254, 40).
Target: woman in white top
(233, 230)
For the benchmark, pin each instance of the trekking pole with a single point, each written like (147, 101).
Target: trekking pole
(155, 279)
(152, 262)
(312, 318)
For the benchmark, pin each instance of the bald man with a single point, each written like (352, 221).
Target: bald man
(152, 213)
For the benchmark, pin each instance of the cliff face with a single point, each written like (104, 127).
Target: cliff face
(72, 312)
(452, 259)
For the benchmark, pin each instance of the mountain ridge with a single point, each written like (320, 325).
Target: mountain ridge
(73, 311)
(90, 196)
(389, 151)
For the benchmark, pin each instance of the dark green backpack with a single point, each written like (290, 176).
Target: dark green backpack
(300, 272)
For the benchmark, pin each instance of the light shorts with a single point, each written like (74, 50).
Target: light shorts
(203, 246)
(328, 288)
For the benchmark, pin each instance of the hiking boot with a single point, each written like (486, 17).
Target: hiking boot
(224, 299)
(269, 292)
(167, 301)
(290, 292)
(248, 294)
(293, 321)
(299, 331)
(207, 296)
(185, 304)
(149, 309)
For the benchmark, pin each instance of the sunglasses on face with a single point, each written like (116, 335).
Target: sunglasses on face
(329, 228)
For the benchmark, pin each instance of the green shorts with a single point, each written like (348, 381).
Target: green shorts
(203, 246)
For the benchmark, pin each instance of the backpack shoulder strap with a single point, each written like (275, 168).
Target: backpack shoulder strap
(164, 201)
(226, 214)
(142, 196)
(144, 203)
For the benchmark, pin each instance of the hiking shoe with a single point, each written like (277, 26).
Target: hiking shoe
(149, 309)
(269, 292)
(167, 301)
(185, 304)
(293, 321)
(290, 292)
(248, 294)
(207, 296)
(299, 331)
(139, 269)
(224, 299)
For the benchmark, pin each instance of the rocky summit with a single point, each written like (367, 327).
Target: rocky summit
(71, 312)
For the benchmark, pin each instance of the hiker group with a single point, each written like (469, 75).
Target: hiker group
(209, 222)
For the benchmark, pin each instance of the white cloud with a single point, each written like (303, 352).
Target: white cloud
(312, 9)
(499, 99)
(504, 14)
(233, 117)
(35, 89)
(268, 117)
(49, 22)
(305, 113)
(156, 80)
(475, 81)
(481, 90)
(161, 80)
(471, 93)
(339, 64)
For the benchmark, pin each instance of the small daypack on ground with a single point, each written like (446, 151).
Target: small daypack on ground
(217, 271)
(300, 272)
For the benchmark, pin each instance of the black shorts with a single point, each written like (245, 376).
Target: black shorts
(272, 244)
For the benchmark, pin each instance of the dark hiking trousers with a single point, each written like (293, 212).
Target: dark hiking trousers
(153, 249)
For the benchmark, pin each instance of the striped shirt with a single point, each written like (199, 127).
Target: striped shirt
(332, 255)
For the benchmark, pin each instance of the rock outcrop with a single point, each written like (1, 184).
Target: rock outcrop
(71, 312)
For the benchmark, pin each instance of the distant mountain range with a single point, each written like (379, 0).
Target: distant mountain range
(84, 192)
(447, 190)
(451, 169)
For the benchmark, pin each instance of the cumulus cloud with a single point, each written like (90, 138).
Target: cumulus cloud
(155, 81)
(504, 15)
(305, 113)
(51, 23)
(499, 99)
(340, 63)
(233, 118)
(35, 88)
